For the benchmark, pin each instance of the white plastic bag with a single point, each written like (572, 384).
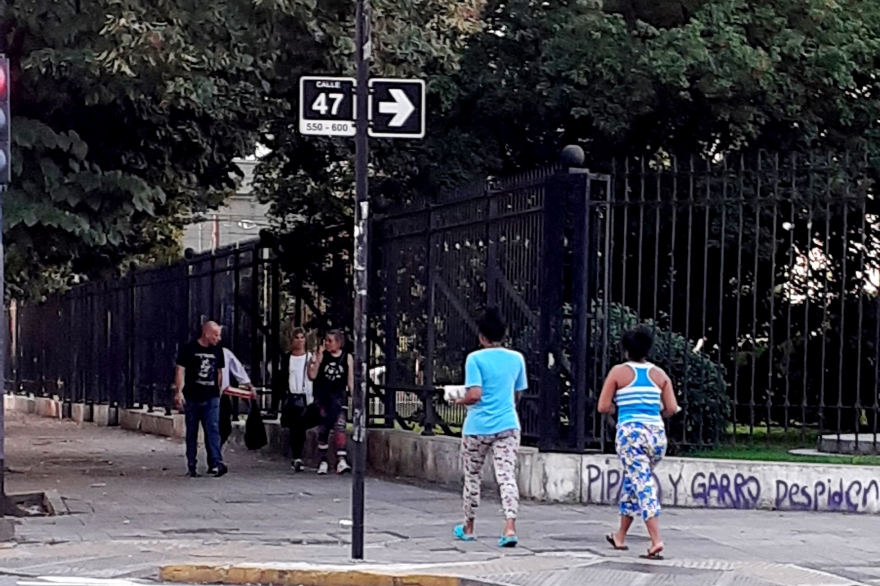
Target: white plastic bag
(452, 393)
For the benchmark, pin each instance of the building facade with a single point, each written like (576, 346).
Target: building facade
(240, 219)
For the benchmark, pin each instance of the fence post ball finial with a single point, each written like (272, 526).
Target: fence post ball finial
(573, 156)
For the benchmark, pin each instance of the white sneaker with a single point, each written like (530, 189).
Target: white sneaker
(342, 466)
(323, 468)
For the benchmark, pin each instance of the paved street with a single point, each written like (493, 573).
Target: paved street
(132, 510)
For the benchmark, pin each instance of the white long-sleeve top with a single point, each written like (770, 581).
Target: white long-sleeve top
(235, 368)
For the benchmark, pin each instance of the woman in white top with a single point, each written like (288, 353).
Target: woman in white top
(297, 390)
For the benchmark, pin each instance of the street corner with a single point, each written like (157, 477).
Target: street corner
(309, 575)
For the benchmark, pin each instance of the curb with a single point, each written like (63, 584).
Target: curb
(309, 576)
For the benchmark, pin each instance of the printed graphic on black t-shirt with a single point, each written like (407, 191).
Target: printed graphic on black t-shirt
(201, 365)
(332, 380)
(334, 371)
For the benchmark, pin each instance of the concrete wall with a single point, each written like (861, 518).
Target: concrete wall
(684, 482)
(567, 478)
(730, 484)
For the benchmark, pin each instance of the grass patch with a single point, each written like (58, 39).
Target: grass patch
(779, 454)
(773, 445)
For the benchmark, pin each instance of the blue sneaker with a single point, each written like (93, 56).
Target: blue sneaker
(508, 541)
(461, 535)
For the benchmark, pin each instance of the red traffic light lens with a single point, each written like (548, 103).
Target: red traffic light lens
(4, 76)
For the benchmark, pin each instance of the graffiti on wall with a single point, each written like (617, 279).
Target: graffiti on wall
(829, 495)
(707, 488)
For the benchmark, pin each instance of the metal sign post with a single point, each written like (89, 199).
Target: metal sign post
(5, 178)
(383, 108)
(361, 277)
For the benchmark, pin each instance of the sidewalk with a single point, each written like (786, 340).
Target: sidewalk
(132, 511)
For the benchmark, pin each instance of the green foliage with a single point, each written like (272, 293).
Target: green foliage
(622, 77)
(310, 180)
(128, 113)
(126, 118)
(784, 74)
(699, 381)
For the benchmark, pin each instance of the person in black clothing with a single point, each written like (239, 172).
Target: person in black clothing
(332, 370)
(197, 381)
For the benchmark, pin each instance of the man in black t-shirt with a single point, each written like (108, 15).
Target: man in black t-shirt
(197, 380)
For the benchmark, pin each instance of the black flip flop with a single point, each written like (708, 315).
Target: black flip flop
(610, 539)
(652, 556)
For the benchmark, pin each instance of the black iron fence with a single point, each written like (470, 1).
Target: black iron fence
(759, 275)
(115, 342)
(437, 264)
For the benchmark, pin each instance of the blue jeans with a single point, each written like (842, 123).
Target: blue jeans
(208, 414)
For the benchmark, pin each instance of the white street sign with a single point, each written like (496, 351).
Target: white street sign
(327, 106)
(401, 108)
(397, 108)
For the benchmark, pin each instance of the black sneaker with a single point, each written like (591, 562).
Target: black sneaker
(297, 465)
(220, 471)
(193, 474)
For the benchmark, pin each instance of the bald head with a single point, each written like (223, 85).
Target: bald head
(211, 333)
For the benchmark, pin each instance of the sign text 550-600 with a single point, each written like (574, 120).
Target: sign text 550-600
(327, 128)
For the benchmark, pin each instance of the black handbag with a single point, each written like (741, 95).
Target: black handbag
(254, 430)
(292, 404)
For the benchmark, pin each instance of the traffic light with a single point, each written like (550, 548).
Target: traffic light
(5, 124)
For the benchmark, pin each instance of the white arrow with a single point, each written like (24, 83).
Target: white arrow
(401, 107)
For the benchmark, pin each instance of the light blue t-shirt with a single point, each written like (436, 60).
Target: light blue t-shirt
(500, 373)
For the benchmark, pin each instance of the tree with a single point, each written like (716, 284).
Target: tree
(128, 113)
(310, 180)
(620, 78)
(713, 79)
(126, 118)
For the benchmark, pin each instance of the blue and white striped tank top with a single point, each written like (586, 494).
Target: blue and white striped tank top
(639, 401)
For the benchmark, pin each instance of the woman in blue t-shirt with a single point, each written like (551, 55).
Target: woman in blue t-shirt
(494, 378)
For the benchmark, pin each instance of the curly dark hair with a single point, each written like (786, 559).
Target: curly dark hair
(492, 325)
(637, 342)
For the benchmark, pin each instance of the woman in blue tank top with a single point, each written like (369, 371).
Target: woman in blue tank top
(643, 395)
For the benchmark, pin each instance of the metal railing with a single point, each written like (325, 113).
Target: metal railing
(115, 342)
(437, 263)
(758, 273)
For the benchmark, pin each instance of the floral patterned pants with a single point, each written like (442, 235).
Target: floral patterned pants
(474, 450)
(640, 447)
